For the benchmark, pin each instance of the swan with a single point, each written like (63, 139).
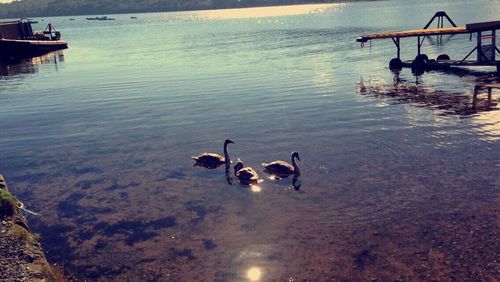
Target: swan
(246, 175)
(239, 165)
(213, 160)
(283, 169)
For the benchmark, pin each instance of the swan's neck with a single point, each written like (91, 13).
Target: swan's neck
(296, 170)
(226, 155)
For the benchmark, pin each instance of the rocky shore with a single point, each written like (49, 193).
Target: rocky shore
(21, 255)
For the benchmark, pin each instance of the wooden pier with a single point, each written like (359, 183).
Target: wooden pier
(486, 48)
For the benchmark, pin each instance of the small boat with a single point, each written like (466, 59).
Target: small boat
(17, 40)
(103, 18)
(133, 18)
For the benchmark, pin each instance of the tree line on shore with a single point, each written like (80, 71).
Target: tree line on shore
(37, 8)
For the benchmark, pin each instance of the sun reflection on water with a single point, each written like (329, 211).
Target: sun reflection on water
(254, 274)
(255, 188)
(263, 12)
(488, 125)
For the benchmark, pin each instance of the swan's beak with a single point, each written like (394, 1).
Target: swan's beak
(297, 155)
(229, 141)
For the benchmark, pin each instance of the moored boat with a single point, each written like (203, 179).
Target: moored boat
(103, 18)
(17, 40)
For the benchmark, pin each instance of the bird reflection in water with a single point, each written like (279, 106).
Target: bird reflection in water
(229, 179)
(296, 183)
(207, 165)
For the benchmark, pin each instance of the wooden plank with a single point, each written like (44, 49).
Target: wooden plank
(9, 23)
(494, 85)
(484, 26)
(413, 33)
(469, 28)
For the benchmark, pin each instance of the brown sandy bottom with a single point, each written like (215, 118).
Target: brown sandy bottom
(179, 223)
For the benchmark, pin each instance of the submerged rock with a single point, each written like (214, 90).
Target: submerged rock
(21, 255)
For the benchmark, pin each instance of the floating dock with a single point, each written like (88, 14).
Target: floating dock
(18, 41)
(486, 48)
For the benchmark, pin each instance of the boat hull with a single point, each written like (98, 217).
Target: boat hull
(13, 49)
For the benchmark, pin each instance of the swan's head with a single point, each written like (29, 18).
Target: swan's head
(238, 165)
(228, 142)
(295, 155)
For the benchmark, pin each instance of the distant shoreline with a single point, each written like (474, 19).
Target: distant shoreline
(20, 14)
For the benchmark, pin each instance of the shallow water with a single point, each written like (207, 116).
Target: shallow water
(400, 174)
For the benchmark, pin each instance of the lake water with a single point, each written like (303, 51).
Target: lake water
(400, 174)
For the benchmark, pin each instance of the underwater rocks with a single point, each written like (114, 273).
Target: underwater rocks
(21, 255)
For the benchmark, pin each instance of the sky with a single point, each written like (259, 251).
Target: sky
(5, 1)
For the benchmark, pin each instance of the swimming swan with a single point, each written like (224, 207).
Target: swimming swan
(239, 165)
(283, 169)
(246, 175)
(213, 160)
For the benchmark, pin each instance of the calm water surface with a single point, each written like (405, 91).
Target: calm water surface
(400, 174)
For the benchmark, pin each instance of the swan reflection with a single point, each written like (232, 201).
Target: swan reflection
(296, 183)
(229, 179)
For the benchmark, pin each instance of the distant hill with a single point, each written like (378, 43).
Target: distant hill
(37, 8)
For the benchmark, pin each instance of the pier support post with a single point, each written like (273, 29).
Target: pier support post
(419, 44)
(399, 48)
(494, 43)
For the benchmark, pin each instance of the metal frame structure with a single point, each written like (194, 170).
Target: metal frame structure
(440, 16)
